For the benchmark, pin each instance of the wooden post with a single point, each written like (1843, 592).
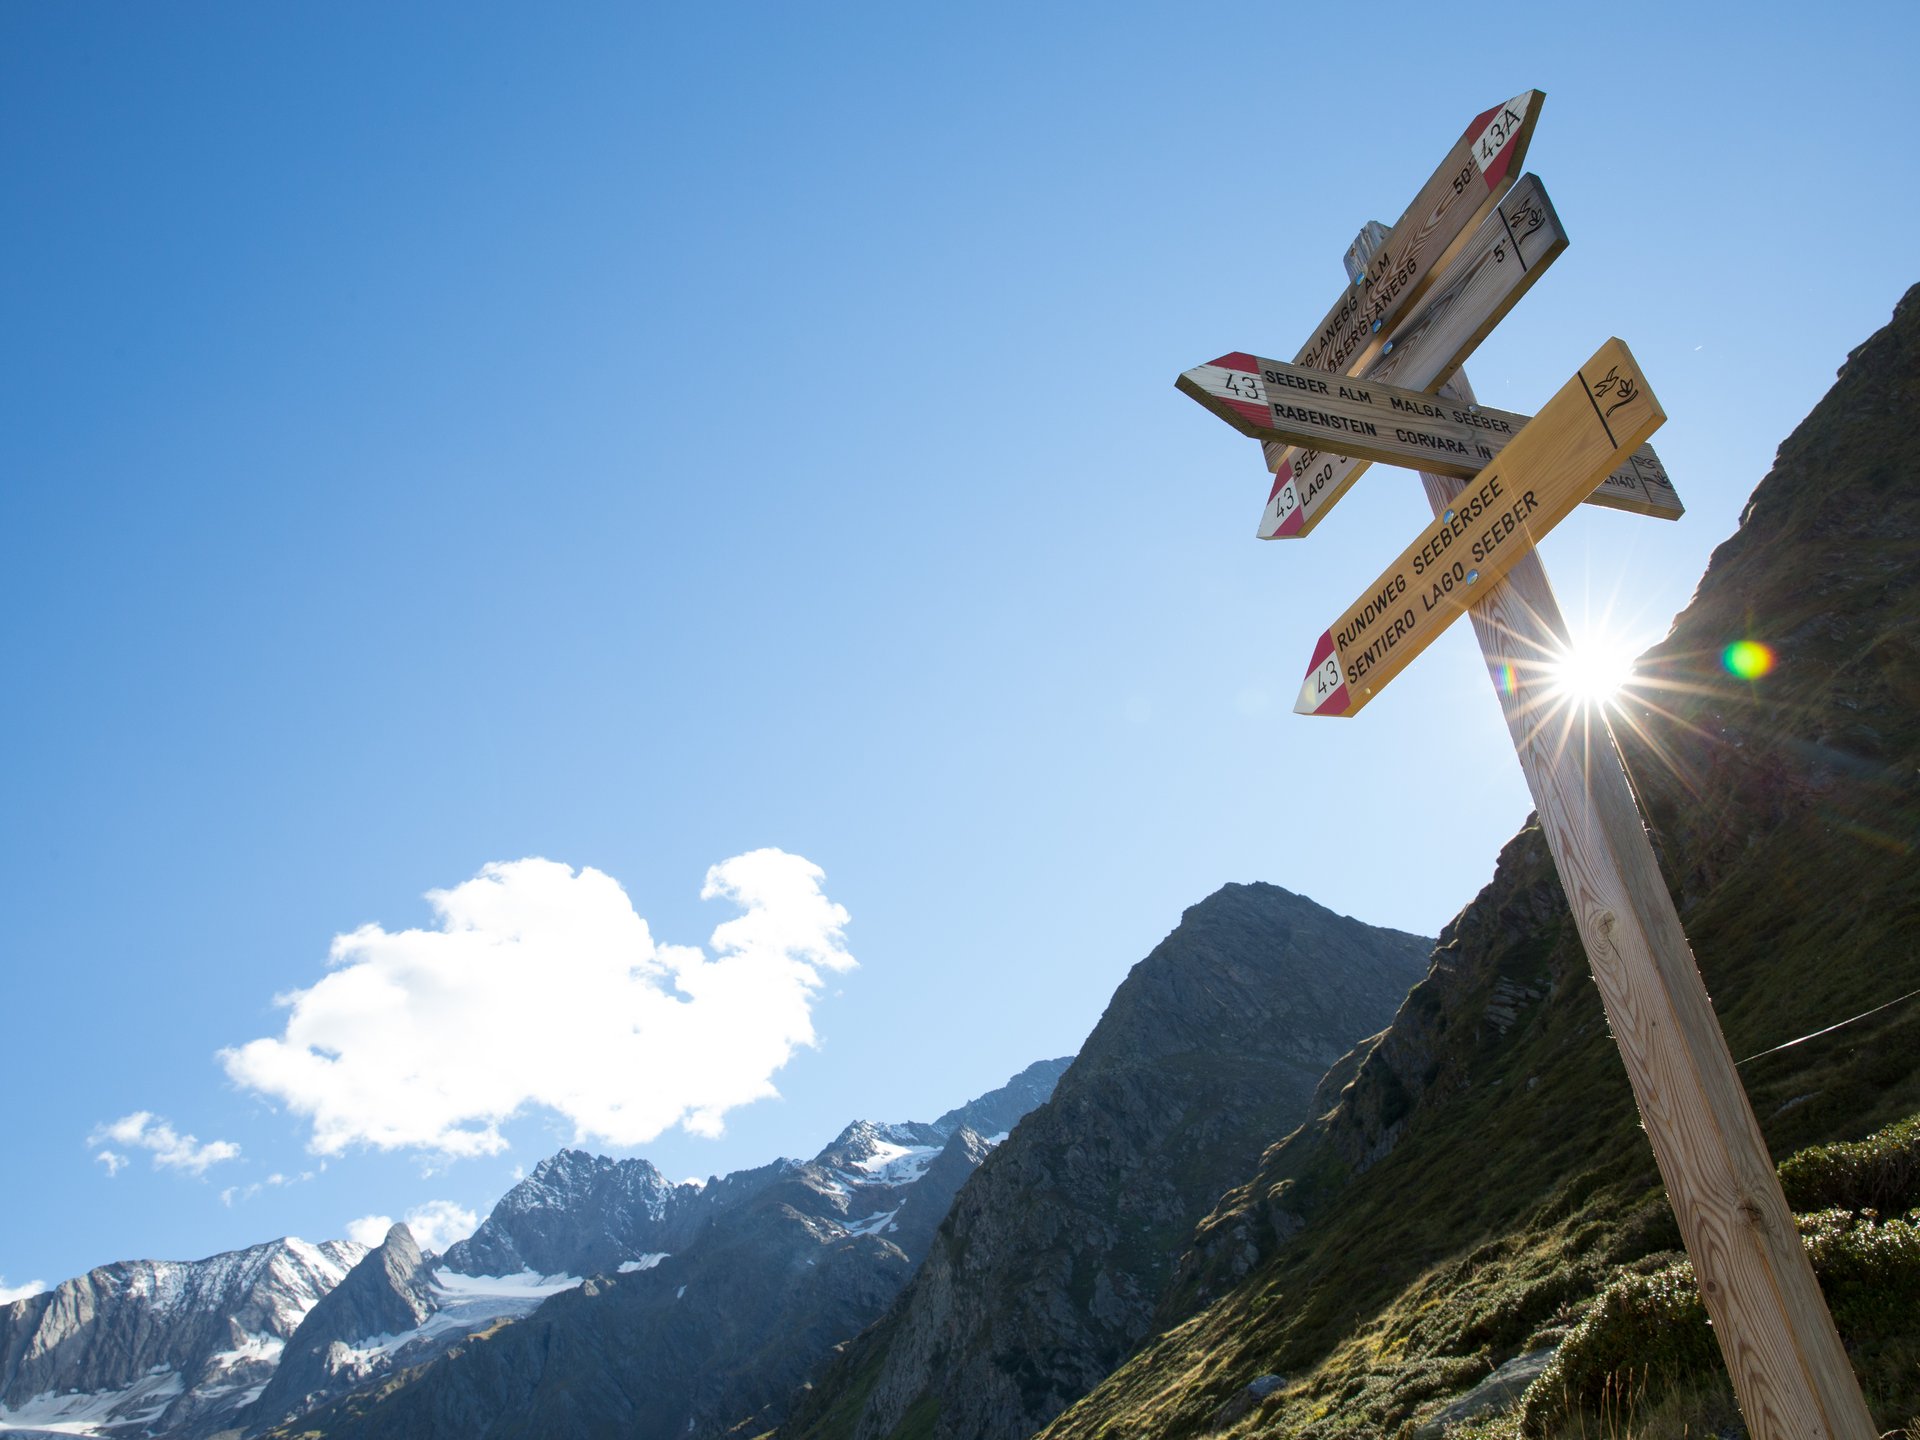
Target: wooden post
(1789, 1371)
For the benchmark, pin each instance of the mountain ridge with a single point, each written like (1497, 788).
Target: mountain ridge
(249, 1338)
(770, 1268)
(161, 1343)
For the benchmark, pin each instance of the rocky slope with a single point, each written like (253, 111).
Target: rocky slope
(389, 1293)
(161, 1346)
(1482, 1174)
(769, 1270)
(1048, 1271)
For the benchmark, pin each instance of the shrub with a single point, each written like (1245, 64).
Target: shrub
(1869, 1269)
(1642, 1330)
(1645, 1334)
(1880, 1173)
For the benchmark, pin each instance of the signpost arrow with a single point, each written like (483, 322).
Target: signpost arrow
(1640, 485)
(1271, 400)
(1512, 247)
(1477, 171)
(1594, 422)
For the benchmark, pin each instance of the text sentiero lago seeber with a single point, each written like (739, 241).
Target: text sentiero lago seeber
(1496, 516)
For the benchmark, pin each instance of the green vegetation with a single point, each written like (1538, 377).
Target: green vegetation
(1880, 1173)
(1635, 1357)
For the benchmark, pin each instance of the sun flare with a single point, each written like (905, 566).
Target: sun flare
(1595, 668)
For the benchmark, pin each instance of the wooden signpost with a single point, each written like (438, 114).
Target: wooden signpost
(1786, 1361)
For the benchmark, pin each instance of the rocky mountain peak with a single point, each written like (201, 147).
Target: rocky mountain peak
(389, 1293)
(576, 1214)
(1058, 1245)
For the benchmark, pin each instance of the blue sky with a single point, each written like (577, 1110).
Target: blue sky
(637, 437)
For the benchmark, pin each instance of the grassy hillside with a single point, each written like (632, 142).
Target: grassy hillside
(1482, 1179)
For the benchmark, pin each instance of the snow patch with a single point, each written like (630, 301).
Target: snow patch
(88, 1414)
(892, 1164)
(466, 1302)
(645, 1262)
(524, 1285)
(253, 1348)
(874, 1224)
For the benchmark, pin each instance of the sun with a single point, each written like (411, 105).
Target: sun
(1595, 668)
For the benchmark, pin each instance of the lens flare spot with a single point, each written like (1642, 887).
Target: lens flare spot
(1509, 682)
(1748, 659)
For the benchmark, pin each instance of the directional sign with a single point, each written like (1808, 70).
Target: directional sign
(1271, 400)
(1511, 248)
(1641, 485)
(1476, 172)
(1594, 422)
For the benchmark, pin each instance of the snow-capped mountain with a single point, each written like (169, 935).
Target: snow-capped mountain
(581, 1214)
(160, 1346)
(691, 1343)
(710, 1302)
(798, 1254)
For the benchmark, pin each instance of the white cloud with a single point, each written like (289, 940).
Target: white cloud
(144, 1131)
(11, 1293)
(438, 1223)
(273, 1182)
(435, 1225)
(369, 1229)
(542, 987)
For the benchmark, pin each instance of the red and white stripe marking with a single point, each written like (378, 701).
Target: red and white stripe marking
(1324, 691)
(1284, 515)
(1312, 480)
(1493, 135)
(1235, 381)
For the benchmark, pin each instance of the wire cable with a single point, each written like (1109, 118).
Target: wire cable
(1830, 1029)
